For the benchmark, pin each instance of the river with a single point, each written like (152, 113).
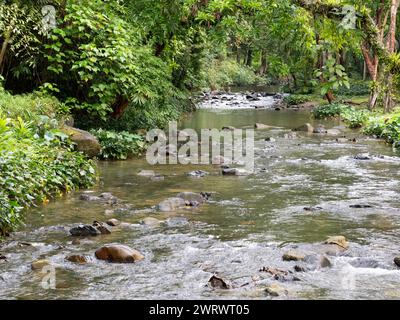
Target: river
(247, 225)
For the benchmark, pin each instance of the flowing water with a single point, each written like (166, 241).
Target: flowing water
(248, 224)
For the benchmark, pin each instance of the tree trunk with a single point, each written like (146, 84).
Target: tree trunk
(249, 58)
(364, 71)
(263, 67)
(330, 97)
(3, 51)
(390, 46)
(119, 107)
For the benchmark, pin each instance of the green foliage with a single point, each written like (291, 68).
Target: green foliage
(330, 110)
(333, 75)
(386, 127)
(357, 88)
(296, 99)
(119, 145)
(35, 168)
(29, 106)
(98, 58)
(225, 73)
(355, 118)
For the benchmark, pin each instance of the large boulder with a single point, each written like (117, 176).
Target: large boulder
(118, 253)
(85, 141)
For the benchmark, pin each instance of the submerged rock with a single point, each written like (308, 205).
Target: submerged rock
(342, 140)
(333, 132)
(113, 222)
(89, 197)
(324, 262)
(176, 222)
(235, 172)
(191, 198)
(363, 157)
(84, 231)
(298, 268)
(197, 174)
(105, 197)
(320, 130)
(365, 263)
(146, 173)
(102, 227)
(397, 261)
(228, 128)
(171, 204)
(151, 222)
(261, 126)
(76, 258)
(40, 264)
(293, 255)
(276, 290)
(290, 136)
(218, 283)
(280, 275)
(118, 253)
(360, 206)
(305, 128)
(312, 208)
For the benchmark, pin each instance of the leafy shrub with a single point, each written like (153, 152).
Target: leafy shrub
(228, 72)
(330, 110)
(296, 99)
(386, 127)
(34, 169)
(152, 115)
(119, 145)
(355, 118)
(99, 60)
(29, 106)
(357, 88)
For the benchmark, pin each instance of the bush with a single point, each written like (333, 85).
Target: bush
(296, 99)
(35, 168)
(357, 88)
(330, 110)
(386, 127)
(355, 118)
(228, 72)
(119, 145)
(101, 62)
(153, 115)
(29, 106)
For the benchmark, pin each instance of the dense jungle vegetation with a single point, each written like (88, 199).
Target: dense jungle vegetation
(129, 65)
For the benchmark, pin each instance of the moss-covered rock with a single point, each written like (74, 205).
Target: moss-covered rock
(85, 141)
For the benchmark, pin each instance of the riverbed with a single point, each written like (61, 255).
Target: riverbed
(303, 191)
